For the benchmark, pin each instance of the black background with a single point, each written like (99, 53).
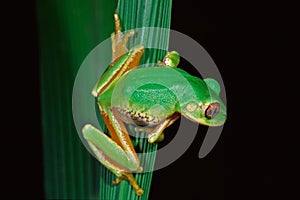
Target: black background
(254, 49)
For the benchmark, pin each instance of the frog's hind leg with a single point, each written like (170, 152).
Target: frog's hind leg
(111, 155)
(119, 143)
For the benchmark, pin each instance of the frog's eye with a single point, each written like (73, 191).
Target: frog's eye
(212, 110)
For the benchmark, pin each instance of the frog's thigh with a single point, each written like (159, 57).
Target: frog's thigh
(111, 155)
(107, 151)
(123, 136)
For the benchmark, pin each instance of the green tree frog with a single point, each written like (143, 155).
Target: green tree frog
(151, 98)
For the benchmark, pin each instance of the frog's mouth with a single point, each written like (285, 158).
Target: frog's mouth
(218, 120)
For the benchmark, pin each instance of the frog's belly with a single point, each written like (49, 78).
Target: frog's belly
(136, 118)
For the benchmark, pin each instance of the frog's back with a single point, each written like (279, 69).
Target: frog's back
(146, 90)
(162, 81)
(157, 83)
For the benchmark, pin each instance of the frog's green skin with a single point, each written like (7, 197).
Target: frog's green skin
(151, 98)
(153, 94)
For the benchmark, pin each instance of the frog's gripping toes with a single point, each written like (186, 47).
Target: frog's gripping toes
(151, 107)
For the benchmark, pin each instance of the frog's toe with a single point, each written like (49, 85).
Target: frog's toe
(139, 192)
(152, 138)
(139, 169)
(161, 138)
(117, 181)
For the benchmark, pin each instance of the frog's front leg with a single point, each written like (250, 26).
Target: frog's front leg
(122, 61)
(171, 59)
(156, 134)
(115, 71)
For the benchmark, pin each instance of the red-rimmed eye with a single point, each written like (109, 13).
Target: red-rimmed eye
(212, 110)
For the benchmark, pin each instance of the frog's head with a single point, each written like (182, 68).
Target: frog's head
(206, 107)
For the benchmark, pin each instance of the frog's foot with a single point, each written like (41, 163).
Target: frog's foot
(143, 129)
(129, 177)
(119, 39)
(171, 59)
(160, 138)
(152, 138)
(149, 131)
(156, 133)
(161, 63)
(117, 181)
